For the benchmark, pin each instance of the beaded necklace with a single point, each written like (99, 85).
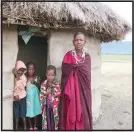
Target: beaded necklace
(75, 56)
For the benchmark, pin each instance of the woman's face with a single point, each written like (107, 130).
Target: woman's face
(50, 75)
(31, 70)
(79, 42)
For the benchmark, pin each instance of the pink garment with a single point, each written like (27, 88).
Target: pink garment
(20, 64)
(19, 85)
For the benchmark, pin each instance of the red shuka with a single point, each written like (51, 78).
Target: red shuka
(75, 103)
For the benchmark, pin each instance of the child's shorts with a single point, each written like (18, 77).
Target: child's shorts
(19, 108)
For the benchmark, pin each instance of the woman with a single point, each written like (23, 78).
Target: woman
(33, 100)
(75, 103)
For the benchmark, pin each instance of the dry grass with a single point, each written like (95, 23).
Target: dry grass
(98, 19)
(117, 95)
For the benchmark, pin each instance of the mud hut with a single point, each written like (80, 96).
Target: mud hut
(42, 32)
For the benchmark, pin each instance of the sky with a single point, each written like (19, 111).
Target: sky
(124, 9)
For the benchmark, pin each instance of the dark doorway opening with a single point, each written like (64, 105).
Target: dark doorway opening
(36, 51)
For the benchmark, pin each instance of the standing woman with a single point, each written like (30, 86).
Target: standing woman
(33, 101)
(76, 101)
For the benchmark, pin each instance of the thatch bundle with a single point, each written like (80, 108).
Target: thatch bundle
(98, 19)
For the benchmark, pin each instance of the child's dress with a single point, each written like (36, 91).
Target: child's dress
(19, 106)
(50, 115)
(33, 100)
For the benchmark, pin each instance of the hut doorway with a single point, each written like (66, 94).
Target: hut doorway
(36, 51)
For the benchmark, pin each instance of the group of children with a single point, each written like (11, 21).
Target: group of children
(32, 98)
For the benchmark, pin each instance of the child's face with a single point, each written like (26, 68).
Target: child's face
(20, 71)
(31, 70)
(50, 75)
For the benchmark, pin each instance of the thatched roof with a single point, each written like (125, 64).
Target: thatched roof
(98, 19)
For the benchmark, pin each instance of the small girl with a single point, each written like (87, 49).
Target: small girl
(49, 97)
(33, 100)
(19, 93)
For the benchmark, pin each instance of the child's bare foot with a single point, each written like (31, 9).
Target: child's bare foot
(16, 128)
(24, 122)
(25, 128)
(35, 128)
(31, 129)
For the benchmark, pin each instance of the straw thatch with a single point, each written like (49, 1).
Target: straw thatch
(98, 19)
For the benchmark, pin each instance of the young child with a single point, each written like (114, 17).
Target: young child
(33, 100)
(49, 97)
(19, 93)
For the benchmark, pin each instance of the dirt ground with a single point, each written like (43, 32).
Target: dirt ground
(116, 109)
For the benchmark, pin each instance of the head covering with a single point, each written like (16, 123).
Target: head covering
(20, 64)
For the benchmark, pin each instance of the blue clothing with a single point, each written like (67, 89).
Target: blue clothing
(19, 108)
(33, 100)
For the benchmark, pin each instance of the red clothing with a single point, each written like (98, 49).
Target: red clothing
(72, 91)
(50, 115)
(75, 114)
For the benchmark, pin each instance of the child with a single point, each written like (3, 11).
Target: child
(33, 100)
(49, 97)
(19, 93)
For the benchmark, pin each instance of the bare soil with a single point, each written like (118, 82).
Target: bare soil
(116, 83)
